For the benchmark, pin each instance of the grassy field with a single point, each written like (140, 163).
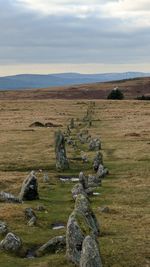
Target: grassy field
(124, 129)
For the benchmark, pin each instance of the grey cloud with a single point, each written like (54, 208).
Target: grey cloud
(26, 37)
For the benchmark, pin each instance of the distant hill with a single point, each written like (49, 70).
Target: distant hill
(30, 81)
(131, 89)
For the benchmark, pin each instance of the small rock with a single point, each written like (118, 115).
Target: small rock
(54, 245)
(36, 124)
(31, 216)
(46, 178)
(95, 144)
(105, 209)
(32, 221)
(7, 197)
(11, 243)
(40, 208)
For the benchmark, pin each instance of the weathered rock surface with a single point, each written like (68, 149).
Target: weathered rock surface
(31, 216)
(94, 181)
(95, 144)
(11, 243)
(72, 124)
(77, 189)
(101, 172)
(50, 124)
(83, 180)
(97, 161)
(84, 157)
(104, 209)
(82, 205)
(60, 151)
(29, 190)
(40, 208)
(47, 124)
(7, 197)
(37, 124)
(46, 178)
(54, 245)
(84, 137)
(74, 238)
(90, 256)
(3, 228)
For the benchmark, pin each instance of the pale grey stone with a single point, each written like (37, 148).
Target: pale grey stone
(90, 255)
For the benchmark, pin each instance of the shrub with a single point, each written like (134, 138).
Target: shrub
(143, 97)
(115, 94)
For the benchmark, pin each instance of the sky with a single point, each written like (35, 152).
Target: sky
(96, 36)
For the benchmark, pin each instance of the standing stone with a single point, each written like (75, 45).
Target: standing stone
(90, 256)
(31, 216)
(95, 144)
(72, 123)
(83, 180)
(78, 189)
(101, 172)
(75, 236)
(97, 161)
(60, 151)
(11, 243)
(82, 205)
(29, 190)
(82, 222)
(46, 177)
(68, 130)
(84, 157)
(3, 228)
(94, 181)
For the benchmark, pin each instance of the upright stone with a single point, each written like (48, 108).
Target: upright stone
(90, 255)
(72, 126)
(98, 159)
(95, 144)
(83, 180)
(29, 190)
(75, 236)
(77, 189)
(31, 216)
(82, 205)
(60, 151)
(3, 228)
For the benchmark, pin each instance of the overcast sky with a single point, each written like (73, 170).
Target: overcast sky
(88, 36)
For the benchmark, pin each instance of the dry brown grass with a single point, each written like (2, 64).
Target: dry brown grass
(125, 132)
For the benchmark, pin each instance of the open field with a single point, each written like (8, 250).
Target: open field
(131, 88)
(124, 128)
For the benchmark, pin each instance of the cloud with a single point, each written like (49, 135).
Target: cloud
(83, 36)
(131, 13)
